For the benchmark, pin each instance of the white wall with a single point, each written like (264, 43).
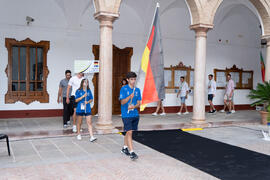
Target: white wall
(72, 37)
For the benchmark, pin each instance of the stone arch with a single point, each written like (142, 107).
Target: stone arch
(228, 9)
(214, 5)
(203, 12)
(263, 8)
(194, 11)
(262, 12)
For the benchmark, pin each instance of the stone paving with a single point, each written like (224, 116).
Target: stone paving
(51, 127)
(245, 136)
(67, 158)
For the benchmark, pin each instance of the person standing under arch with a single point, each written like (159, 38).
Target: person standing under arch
(212, 88)
(62, 97)
(229, 93)
(183, 91)
(74, 83)
(130, 98)
(84, 97)
(159, 106)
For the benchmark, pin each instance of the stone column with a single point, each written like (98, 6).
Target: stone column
(104, 124)
(267, 61)
(199, 74)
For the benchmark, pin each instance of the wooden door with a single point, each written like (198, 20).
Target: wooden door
(121, 66)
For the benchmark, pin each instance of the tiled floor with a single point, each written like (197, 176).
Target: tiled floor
(64, 157)
(245, 136)
(51, 127)
(68, 158)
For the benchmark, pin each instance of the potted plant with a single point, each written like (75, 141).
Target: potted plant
(261, 95)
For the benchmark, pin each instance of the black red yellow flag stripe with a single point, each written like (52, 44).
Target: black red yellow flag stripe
(152, 66)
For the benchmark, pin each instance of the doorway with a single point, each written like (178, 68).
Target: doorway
(121, 66)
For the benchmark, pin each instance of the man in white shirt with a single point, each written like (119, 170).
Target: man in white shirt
(229, 93)
(212, 87)
(75, 83)
(183, 91)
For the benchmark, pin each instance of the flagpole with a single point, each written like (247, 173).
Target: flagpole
(85, 91)
(132, 97)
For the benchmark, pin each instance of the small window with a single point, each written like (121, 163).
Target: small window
(27, 71)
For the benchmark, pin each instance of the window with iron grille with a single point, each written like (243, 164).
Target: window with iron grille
(27, 71)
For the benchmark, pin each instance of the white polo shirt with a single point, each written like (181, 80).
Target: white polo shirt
(212, 87)
(183, 88)
(75, 83)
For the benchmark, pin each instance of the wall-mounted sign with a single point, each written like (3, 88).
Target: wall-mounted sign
(86, 66)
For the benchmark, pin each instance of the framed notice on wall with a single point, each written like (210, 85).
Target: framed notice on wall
(247, 79)
(172, 76)
(220, 77)
(177, 75)
(243, 79)
(168, 77)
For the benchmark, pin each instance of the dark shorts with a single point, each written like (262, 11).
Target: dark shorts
(210, 97)
(73, 102)
(183, 99)
(130, 123)
(83, 114)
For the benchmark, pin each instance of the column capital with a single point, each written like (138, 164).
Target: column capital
(267, 38)
(201, 29)
(106, 19)
(106, 15)
(107, 6)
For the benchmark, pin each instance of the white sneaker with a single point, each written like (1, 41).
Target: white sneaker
(163, 114)
(179, 113)
(92, 139)
(222, 111)
(233, 111)
(74, 129)
(154, 114)
(68, 123)
(81, 130)
(79, 137)
(186, 113)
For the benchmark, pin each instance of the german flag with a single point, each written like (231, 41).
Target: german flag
(262, 67)
(152, 66)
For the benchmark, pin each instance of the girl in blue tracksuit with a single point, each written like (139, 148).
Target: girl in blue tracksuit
(84, 97)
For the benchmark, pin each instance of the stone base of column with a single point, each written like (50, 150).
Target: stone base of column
(105, 129)
(199, 123)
